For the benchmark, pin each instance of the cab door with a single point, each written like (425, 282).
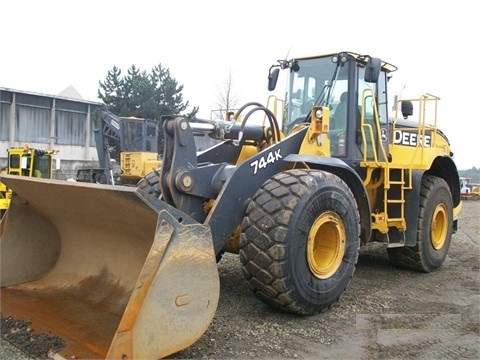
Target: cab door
(373, 129)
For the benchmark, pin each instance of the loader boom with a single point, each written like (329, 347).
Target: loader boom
(188, 190)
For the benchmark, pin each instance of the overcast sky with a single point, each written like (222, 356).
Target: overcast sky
(49, 45)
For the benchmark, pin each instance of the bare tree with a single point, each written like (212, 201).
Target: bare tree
(227, 99)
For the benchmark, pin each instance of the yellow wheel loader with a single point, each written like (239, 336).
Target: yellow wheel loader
(133, 142)
(131, 273)
(24, 161)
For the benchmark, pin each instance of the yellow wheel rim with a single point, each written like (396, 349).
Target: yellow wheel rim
(439, 227)
(326, 245)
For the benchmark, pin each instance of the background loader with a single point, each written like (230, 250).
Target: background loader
(135, 276)
(469, 191)
(131, 141)
(24, 161)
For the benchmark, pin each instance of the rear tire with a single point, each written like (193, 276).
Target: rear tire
(300, 241)
(434, 232)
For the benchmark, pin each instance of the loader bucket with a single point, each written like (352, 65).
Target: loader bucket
(113, 272)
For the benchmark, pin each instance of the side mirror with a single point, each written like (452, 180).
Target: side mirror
(273, 78)
(294, 66)
(407, 109)
(372, 70)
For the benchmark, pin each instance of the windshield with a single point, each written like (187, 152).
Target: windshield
(318, 82)
(42, 165)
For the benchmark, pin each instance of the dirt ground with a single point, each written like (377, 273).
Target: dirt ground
(386, 313)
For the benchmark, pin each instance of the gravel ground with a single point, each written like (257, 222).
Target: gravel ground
(28, 343)
(386, 313)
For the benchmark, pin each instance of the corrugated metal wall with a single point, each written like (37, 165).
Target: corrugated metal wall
(45, 119)
(4, 115)
(48, 122)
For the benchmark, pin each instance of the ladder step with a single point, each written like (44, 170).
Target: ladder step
(399, 221)
(396, 245)
(395, 201)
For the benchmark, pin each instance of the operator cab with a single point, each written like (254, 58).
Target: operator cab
(345, 85)
(30, 162)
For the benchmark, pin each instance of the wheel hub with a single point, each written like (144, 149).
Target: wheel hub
(326, 245)
(439, 227)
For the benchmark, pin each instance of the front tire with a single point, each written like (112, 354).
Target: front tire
(300, 241)
(434, 232)
(151, 183)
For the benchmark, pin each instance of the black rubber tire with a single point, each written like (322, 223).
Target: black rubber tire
(434, 232)
(151, 183)
(275, 237)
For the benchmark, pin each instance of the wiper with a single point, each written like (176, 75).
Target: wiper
(322, 98)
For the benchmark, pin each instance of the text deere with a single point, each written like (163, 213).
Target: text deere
(412, 138)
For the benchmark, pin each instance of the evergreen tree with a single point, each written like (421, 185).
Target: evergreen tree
(144, 95)
(141, 94)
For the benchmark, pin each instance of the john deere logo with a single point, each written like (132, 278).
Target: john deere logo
(408, 138)
(384, 135)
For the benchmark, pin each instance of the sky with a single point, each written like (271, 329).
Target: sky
(50, 45)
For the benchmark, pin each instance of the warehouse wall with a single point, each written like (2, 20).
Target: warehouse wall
(48, 122)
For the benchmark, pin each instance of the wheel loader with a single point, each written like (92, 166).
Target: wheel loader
(136, 141)
(135, 276)
(24, 161)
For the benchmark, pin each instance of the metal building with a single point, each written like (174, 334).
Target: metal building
(49, 122)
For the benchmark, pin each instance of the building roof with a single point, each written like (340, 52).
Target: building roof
(71, 92)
